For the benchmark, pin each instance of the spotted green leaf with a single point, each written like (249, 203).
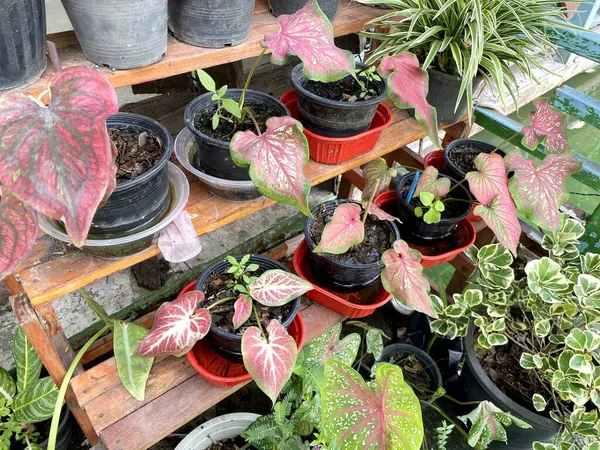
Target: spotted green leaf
(374, 343)
(133, 369)
(36, 403)
(8, 388)
(329, 345)
(27, 361)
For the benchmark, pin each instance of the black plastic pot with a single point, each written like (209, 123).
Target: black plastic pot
(395, 351)
(213, 155)
(332, 118)
(139, 203)
(211, 23)
(453, 169)
(477, 386)
(416, 226)
(227, 344)
(278, 7)
(22, 42)
(65, 432)
(120, 34)
(337, 274)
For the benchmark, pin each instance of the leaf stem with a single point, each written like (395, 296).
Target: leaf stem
(258, 132)
(373, 192)
(219, 302)
(258, 320)
(250, 75)
(96, 307)
(457, 425)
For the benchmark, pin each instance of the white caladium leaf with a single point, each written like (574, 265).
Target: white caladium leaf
(18, 232)
(243, 310)
(343, 231)
(429, 182)
(538, 189)
(377, 176)
(269, 361)
(178, 326)
(277, 287)
(358, 417)
(546, 123)
(276, 159)
(308, 34)
(402, 276)
(328, 345)
(178, 241)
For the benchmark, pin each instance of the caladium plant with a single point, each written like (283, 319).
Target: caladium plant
(546, 124)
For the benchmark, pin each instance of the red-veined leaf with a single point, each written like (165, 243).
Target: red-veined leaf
(379, 213)
(538, 189)
(178, 326)
(500, 215)
(243, 310)
(18, 231)
(308, 34)
(407, 87)
(403, 277)
(358, 417)
(276, 159)
(328, 345)
(277, 287)
(178, 241)
(269, 362)
(58, 159)
(343, 231)
(377, 177)
(429, 182)
(546, 123)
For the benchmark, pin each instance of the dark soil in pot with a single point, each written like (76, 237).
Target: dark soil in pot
(346, 90)
(460, 155)
(235, 443)
(138, 152)
(419, 370)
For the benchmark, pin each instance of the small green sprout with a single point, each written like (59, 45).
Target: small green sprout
(432, 208)
(227, 104)
(241, 274)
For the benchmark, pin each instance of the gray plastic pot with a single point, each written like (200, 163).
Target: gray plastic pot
(211, 23)
(217, 429)
(22, 42)
(122, 34)
(279, 7)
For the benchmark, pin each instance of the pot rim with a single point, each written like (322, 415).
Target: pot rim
(401, 347)
(208, 427)
(475, 142)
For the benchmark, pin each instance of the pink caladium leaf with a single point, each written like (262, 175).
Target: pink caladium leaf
(546, 123)
(308, 34)
(407, 87)
(18, 231)
(277, 287)
(377, 177)
(343, 231)
(276, 159)
(269, 361)
(537, 189)
(329, 345)
(386, 417)
(178, 326)
(243, 310)
(58, 159)
(500, 215)
(379, 213)
(402, 276)
(178, 241)
(429, 182)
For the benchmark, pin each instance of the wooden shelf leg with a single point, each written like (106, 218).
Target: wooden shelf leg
(54, 350)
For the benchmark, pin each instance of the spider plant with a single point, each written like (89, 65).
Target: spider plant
(467, 38)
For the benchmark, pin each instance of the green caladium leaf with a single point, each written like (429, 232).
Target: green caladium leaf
(374, 343)
(587, 291)
(329, 345)
(545, 278)
(36, 403)
(133, 369)
(377, 177)
(29, 365)
(8, 388)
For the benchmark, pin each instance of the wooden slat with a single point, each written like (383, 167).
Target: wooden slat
(182, 58)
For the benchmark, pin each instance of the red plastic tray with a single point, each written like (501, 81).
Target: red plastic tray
(346, 304)
(462, 238)
(329, 150)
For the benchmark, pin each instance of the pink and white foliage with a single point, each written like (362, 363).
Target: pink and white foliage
(178, 241)
(377, 176)
(343, 231)
(276, 159)
(379, 213)
(328, 345)
(500, 215)
(57, 159)
(178, 326)
(538, 189)
(546, 123)
(402, 276)
(358, 417)
(308, 34)
(408, 85)
(242, 310)
(18, 231)
(429, 182)
(269, 361)
(277, 287)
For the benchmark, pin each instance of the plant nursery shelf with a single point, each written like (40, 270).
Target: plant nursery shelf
(182, 58)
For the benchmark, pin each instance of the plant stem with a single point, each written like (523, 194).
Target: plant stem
(220, 302)
(258, 132)
(95, 306)
(458, 402)
(457, 425)
(65, 384)
(250, 75)
(432, 340)
(258, 321)
(375, 189)
(456, 200)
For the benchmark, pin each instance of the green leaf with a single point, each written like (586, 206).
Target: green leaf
(27, 361)
(497, 339)
(222, 91)
(419, 211)
(587, 291)
(215, 121)
(545, 278)
(374, 343)
(244, 260)
(36, 403)
(581, 363)
(576, 339)
(526, 361)
(439, 206)
(133, 369)
(206, 80)
(494, 254)
(232, 107)
(426, 198)
(432, 216)
(542, 328)
(539, 402)
(8, 388)
(329, 345)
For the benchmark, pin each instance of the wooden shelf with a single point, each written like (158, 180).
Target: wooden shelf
(182, 58)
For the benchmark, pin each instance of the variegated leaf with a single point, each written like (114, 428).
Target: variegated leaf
(277, 287)
(343, 231)
(18, 232)
(328, 345)
(36, 403)
(429, 182)
(242, 310)
(8, 388)
(501, 216)
(379, 213)
(377, 177)
(546, 123)
(133, 369)
(27, 361)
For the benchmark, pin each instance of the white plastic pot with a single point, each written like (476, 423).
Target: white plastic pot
(401, 307)
(217, 429)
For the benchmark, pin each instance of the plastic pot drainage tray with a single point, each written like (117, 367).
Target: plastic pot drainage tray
(118, 247)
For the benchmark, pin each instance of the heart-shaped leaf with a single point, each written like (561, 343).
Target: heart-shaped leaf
(58, 159)
(308, 34)
(269, 361)
(377, 177)
(538, 189)
(343, 231)
(133, 369)
(379, 213)
(276, 159)
(403, 277)
(501, 216)
(178, 241)
(277, 287)
(429, 182)
(407, 87)
(242, 310)
(178, 326)
(18, 231)
(29, 365)
(328, 345)
(357, 417)
(546, 123)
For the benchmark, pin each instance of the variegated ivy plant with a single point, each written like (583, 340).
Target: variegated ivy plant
(551, 314)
